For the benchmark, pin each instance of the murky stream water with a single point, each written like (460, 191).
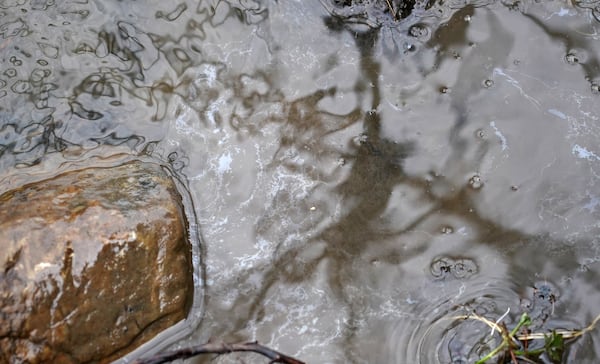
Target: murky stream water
(358, 179)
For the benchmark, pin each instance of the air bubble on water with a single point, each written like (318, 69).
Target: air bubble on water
(21, 87)
(409, 47)
(475, 182)
(445, 267)
(447, 229)
(15, 61)
(440, 267)
(488, 83)
(10, 73)
(571, 59)
(464, 268)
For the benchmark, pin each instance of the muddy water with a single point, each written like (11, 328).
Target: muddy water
(358, 180)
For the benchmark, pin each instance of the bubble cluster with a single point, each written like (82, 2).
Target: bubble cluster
(447, 229)
(419, 31)
(448, 267)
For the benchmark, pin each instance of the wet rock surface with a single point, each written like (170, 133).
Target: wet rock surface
(93, 263)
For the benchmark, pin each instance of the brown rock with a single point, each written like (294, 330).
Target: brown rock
(93, 263)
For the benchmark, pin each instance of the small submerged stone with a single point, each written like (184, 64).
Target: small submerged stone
(93, 263)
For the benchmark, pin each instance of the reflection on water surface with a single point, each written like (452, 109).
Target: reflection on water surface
(358, 179)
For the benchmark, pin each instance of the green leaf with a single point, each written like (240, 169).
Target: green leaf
(525, 320)
(555, 346)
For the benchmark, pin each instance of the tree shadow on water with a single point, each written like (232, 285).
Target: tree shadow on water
(376, 171)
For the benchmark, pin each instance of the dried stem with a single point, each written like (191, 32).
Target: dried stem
(220, 349)
(392, 11)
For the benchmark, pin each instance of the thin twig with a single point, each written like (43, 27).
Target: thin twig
(220, 349)
(500, 320)
(567, 334)
(392, 11)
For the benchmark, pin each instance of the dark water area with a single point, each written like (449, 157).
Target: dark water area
(360, 178)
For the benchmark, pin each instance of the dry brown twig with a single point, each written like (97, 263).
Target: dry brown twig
(391, 8)
(220, 349)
